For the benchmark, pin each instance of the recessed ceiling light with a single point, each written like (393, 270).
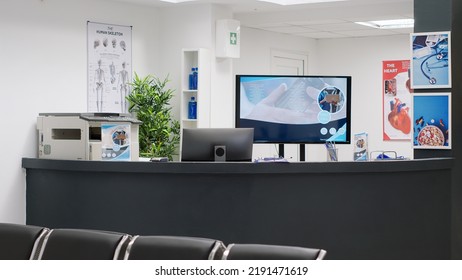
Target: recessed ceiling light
(296, 2)
(389, 24)
(177, 1)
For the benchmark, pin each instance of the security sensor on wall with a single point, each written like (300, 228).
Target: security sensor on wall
(228, 38)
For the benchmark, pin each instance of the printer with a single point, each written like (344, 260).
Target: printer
(88, 136)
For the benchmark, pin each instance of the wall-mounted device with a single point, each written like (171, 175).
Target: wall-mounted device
(228, 38)
(88, 136)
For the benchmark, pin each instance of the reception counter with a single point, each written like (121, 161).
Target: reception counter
(355, 210)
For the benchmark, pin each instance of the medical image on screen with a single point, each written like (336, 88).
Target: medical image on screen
(294, 109)
(331, 99)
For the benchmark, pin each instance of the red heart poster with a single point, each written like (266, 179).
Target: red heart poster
(396, 100)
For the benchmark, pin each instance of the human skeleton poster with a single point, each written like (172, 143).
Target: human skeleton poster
(109, 67)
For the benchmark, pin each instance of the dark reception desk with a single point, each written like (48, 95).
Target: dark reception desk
(354, 210)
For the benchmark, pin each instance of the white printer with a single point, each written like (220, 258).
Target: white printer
(88, 136)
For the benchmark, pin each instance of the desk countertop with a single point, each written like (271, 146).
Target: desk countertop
(241, 167)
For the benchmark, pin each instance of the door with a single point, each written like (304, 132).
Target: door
(286, 63)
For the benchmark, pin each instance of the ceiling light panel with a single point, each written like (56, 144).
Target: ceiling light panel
(389, 24)
(298, 2)
(177, 1)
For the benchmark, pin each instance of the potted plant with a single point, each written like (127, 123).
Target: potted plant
(149, 101)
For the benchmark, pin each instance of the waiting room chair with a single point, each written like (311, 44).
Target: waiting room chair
(173, 248)
(82, 244)
(271, 252)
(20, 242)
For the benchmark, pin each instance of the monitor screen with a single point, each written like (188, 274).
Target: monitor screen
(217, 144)
(294, 109)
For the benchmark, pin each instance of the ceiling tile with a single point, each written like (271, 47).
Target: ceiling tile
(367, 32)
(321, 35)
(268, 25)
(317, 22)
(340, 27)
(403, 30)
(289, 29)
(325, 20)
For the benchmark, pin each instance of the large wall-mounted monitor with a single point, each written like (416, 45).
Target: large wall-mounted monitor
(294, 109)
(217, 144)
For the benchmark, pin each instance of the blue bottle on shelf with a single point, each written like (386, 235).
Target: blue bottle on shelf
(195, 74)
(192, 109)
(191, 79)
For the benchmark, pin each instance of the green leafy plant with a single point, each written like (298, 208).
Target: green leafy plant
(159, 134)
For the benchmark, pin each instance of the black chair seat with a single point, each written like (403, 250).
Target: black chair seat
(81, 244)
(20, 242)
(271, 252)
(173, 248)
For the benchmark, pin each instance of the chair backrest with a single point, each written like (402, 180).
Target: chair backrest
(173, 248)
(20, 242)
(82, 244)
(271, 252)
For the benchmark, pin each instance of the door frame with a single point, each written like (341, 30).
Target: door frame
(292, 55)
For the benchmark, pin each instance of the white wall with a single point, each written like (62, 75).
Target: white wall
(182, 27)
(44, 56)
(222, 79)
(362, 59)
(256, 47)
(191, 27)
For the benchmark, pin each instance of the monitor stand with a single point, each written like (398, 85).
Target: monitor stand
(302, 152)
(281, 150)
(301, 155)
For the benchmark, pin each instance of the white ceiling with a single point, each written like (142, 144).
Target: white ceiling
(319, 21)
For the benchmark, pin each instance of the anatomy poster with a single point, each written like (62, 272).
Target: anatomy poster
(397, 100)
(109, 67)
(431, 60)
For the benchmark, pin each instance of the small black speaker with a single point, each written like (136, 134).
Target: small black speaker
(220, 153)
